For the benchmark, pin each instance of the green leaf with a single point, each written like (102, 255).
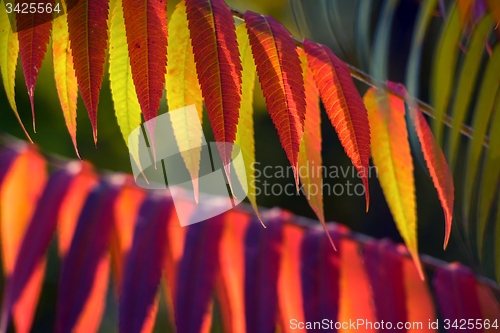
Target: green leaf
(482, 113)
(466, 83)
(443, 70)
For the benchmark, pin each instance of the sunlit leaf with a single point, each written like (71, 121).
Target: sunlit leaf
(64, 74)
(146, 25)
(183, 89)
(343, 105)
(245, 130)
(33, 34)
(391, 154)
(9, 51)
(310, 161)
(279, 71)
(218, 65)
(127, 108)
(88, 34)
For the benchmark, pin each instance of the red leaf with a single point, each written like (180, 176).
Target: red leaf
(34, 34)
(88, 33)
(146, 26)
(385, 271)
(263, 248)
(456, 294)
(83, 265)
(37, 237)
(144, 263)
(218, 65)
(320, 274)
(343, 105)
(280, 76)
(197, 275)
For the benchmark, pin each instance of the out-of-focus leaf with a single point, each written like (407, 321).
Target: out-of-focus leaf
(464, 11)
(494, 8)
(490, 176)
(278, 68)
(245, 130)
(9, 51)
(483, 111)
(37, 237)
(143, 268)
(183, 89)
(64, 74)
(419, 302)
(146, 25)
(391, 154)
(443, 70)
(218, 65)
(310, 146)
(263, 248)
(19, 194)
(88, 35)
(456, 294)
(290, 303)
(126, 209)
(424, 18)
(490, 308)
(197, 273)
(355, 290)
(33, 34)
(343, 105)
(380, 58)
(320, 275)
(385, 271)
(87, 259)
(466, 82)
(230, 285)
(127, 108)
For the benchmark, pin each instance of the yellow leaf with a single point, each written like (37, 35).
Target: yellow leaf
(245, 130)
(64, 74)
(183, 90)
(391, 155)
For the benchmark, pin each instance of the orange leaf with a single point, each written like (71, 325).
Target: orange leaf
(343, 105)
(34, 33)
(230, 285)
(146, 26)
(218, 65)
(280, 76)
(19, 193)
(88, 33)
(290, 303)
